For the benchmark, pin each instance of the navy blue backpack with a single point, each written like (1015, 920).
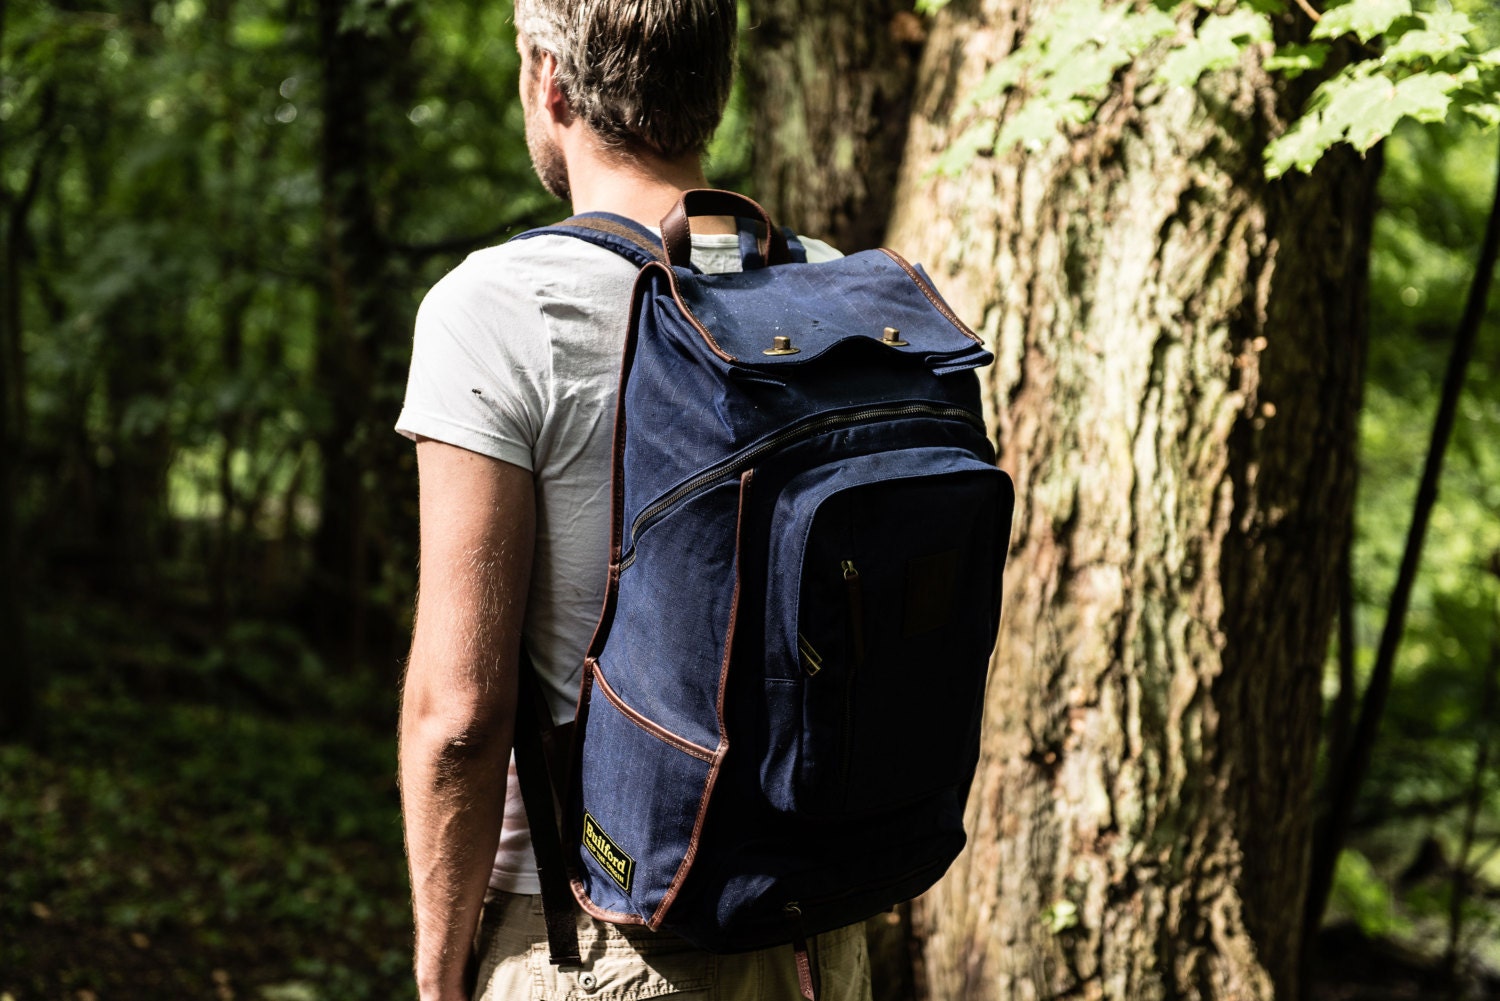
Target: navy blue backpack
(780, 710)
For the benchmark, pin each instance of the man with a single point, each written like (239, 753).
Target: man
(511, 401)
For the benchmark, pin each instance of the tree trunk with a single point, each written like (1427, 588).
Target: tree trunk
(1179, 347)
(834, 84)
(361, 340)
(16, 698)
(17, 686)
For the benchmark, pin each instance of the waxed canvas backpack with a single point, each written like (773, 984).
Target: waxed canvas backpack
(780, 709)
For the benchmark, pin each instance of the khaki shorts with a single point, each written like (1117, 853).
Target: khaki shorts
(628, 963)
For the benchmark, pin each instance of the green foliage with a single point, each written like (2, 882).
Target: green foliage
(1219, 42)
(1361, 894)
(1417, 66)
(158, 843)
(1434, 192)
(1066, 68)
(1428, 66)
(1364, 19)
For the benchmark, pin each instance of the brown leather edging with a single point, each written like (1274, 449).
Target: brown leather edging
(713, 772)
(581, 894)
(611, 590)
(677, 235)
(932, 296)
(617, 468)
(652, 728)
(708, 338)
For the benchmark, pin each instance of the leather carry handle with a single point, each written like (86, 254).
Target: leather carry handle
(677, 236)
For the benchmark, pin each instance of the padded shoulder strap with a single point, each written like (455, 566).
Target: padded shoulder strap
(625, 237)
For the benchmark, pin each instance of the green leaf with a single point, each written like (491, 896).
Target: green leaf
(1220, 41)
(1141, 28)
(1061, 916)
(1300, 148)
(1487, 114)
(1364, 18)
(1000, 78)
(1448, 22)
(1361, 108)
(930, 7)
(1032, 126)
(957, 157)
(1369, 109)
(1293, 60)
(1443, 37)
(1088, 73)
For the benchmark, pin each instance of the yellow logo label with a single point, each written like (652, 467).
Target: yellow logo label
(621, 867)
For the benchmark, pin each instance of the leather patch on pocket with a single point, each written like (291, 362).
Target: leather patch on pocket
(611, 859)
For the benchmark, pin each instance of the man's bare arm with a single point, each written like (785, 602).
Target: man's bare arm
(478, 524)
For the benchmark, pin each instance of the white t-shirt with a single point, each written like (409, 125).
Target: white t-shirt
(517, 356)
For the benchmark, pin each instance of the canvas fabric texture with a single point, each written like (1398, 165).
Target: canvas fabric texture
(516, 356)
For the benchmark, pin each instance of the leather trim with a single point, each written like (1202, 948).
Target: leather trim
(581, 894)
(708, 338)
(931, 294)
(676, 234)
(655, 729)
(617, 468)
(713, 772)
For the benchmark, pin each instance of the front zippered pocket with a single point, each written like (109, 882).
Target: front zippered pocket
(886, 567)
(749, 457)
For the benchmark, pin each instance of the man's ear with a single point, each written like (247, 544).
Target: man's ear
(551, 94)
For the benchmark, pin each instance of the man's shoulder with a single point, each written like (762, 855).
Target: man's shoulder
(520, 274)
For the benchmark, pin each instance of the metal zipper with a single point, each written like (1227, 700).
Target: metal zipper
(854, 592)
(736, 464)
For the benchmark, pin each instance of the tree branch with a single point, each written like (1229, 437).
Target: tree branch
(1310, 11)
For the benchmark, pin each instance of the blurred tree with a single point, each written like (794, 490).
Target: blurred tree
(360, 324)
(16, 690)
(832, 85)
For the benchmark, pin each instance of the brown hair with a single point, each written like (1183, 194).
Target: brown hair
(640, 73)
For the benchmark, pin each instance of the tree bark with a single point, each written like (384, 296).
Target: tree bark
(836, 80)
(1179, 349)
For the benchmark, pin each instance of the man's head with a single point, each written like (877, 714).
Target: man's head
(645, 75)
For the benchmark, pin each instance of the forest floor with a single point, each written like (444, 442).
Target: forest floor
(176, 836)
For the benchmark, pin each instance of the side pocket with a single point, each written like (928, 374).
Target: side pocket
(881, 596)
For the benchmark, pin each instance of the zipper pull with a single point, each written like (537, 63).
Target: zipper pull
(856, 595)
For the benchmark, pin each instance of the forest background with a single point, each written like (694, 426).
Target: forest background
(218, 219)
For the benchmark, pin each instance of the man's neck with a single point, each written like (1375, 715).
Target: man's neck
(641, 187)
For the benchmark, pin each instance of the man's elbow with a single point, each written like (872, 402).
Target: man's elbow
(455, 723)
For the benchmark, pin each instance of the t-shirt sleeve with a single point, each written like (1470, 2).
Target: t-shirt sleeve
(818, 251)
(480, 364)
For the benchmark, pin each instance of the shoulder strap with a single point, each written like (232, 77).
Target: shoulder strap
(625, 237)
(539, 796)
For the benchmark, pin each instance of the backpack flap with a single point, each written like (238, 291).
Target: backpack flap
(818, 308)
